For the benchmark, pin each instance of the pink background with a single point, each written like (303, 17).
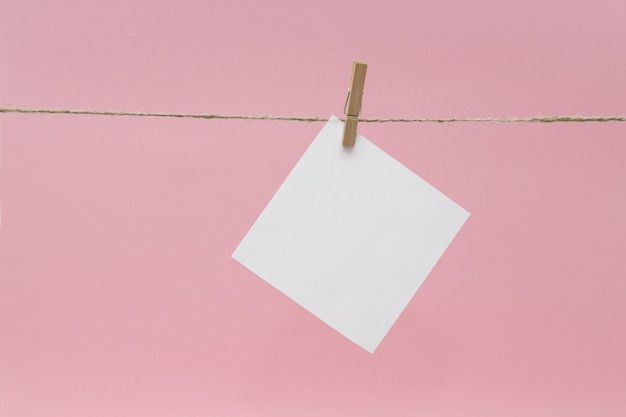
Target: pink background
(118, 296)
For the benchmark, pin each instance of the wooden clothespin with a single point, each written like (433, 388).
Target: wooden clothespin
(352, 109)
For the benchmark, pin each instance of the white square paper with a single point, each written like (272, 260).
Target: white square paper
(351, 235)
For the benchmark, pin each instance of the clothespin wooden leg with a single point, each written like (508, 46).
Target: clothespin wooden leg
(349, 131)
(353, 105)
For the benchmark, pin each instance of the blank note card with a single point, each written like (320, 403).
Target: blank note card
(351, 235)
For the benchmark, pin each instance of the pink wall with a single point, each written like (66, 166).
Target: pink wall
(118, 295)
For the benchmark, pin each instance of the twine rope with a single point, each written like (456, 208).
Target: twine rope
(535, 119)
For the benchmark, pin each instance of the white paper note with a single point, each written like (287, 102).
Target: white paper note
(351, 235)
